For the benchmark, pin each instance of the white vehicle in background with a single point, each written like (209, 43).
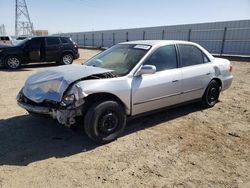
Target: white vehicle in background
(6, 40)
(127, 79)
(17, 40)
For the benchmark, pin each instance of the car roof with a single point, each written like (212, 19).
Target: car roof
(47, 37)
(157, 42)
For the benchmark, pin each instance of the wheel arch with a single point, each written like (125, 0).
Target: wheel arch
(218, 80)
(67, 52)
(103, 96)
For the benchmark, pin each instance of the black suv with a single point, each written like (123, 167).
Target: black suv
(39, 49)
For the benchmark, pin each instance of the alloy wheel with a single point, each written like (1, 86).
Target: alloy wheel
(67, 59)
(13, 62)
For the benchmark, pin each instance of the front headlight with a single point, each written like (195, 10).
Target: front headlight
(68, 100)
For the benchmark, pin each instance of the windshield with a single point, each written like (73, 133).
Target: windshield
(21, 42)
(120, 58)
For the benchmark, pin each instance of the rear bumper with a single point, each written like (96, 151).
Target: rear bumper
(76, 56)
(227, 82)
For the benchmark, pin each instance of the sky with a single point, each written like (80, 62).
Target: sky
(93, 15)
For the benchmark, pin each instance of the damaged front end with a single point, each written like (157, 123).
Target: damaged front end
(65, 112)
(55, 92)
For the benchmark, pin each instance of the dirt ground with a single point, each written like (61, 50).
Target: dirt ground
(183, 147)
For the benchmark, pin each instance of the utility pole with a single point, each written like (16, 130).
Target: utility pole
(23, 25)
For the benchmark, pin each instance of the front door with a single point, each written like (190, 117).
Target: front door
(155, 91)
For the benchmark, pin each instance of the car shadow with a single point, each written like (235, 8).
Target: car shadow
(26, 139)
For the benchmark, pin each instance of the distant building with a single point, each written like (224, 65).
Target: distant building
(40, 32)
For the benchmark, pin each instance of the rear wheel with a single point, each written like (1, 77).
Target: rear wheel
(67, 59)
(12, 62)
(211, 95)
(105, 121)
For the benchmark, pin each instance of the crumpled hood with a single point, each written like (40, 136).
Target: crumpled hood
(52, 83)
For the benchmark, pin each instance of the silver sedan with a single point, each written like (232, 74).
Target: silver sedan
(126, 80)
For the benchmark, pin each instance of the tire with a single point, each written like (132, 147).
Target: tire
(67, 59)
(211, 95)
(105, 121)
(13, 62)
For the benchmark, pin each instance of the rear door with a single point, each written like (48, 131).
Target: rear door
(34, 49)
(196, 71)
(52, 48)
(150, 92)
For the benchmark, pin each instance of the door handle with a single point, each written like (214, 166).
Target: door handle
(175, 80)
(208, 73)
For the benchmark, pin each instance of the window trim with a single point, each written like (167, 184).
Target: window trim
(179, 54)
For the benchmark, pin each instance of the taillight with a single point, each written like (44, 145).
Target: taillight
(231, 68)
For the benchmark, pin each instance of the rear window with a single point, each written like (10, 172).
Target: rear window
(65, 40)
(191, 55)
(52, 41)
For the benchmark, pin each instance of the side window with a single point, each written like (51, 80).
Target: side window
(5, 38)
(35, 43)
(52, 41)
(163, 58)
(191, 55)
(64, 41)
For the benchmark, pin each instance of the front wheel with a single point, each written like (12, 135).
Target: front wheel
(105, 121)
(12, 62)
(67, 59)
(211, 95)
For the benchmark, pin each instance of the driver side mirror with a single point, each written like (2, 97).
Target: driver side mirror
(146, 69)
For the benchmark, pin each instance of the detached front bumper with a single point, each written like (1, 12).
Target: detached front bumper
(64, 116)
(38, 109)
(22, 101)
